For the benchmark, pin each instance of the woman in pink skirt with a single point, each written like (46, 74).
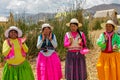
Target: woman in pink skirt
(48, 62)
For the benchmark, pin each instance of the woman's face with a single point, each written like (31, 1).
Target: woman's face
(13, 34)
(109, 27)
(46, 31)
(73, 27)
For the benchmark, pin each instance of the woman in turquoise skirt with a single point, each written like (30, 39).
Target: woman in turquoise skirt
(14, 50)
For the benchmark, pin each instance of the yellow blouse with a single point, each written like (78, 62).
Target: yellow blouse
(18, 59)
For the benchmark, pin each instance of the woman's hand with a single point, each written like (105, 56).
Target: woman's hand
(106, 38)
(50, 37)
(24, 39)
(71, 40)
(79, 40)
(115, 47)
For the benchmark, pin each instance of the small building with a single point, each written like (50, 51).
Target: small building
(4, 21)
(109, 14)
(105, 13)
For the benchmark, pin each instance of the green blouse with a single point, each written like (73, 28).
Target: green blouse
(115, 40)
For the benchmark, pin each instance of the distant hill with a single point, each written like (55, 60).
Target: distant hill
(40, 16)
(34, 17)
(104, 7)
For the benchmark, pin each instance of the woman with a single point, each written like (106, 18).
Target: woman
(48, 62)
(74, 41)
(14, 50)
(108, 65)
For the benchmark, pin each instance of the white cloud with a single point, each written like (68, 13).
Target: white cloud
(14, 4)
(91, 3)
(36, 6)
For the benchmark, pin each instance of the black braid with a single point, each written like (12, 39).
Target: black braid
(81, 37)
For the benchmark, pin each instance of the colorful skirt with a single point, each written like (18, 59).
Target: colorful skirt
(48, 67)
(108, 66)
(19, 72)
(75, 67)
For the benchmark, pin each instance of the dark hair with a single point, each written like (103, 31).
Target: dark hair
(81, 38)
(113, 26)
(74, 24)
(45, 27)
(13, 30)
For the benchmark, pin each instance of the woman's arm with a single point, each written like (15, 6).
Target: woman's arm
(6, 48)
(66, 41)
(39, 42)
(54, 42)
(117, 38)
(101, 41)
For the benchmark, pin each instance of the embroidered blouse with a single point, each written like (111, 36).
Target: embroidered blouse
(47, 44)
(75, 46)
(18, 58)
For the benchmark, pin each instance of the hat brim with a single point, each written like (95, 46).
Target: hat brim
(79, 24)
(16, 29)
(103, 25)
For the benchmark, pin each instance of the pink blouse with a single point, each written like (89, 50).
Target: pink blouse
(74, 35)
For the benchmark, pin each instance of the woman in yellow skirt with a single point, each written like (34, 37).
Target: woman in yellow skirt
(108, 65)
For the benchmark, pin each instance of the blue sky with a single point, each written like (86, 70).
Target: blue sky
(36, 6)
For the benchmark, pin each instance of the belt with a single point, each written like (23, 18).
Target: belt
(49, 48)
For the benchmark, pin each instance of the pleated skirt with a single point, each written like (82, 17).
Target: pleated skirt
(48, 67)
(75, 66)
(18, 72)
(108, 66)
